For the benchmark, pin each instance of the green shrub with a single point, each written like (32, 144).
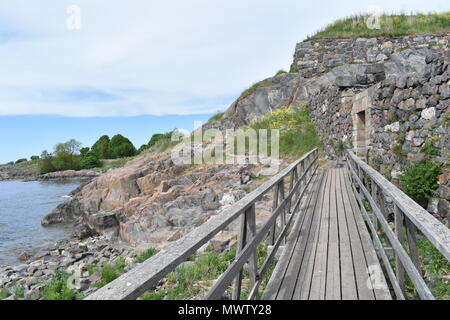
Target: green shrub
(90, 161)
(145, 255)
(111, 272)
(58, 288)
(293, 69)
(4, 294)
(420, 180)
(120, 147)
(21, 160)
(297, 132)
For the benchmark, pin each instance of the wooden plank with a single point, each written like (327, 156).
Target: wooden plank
(276, 279)
(420, 285)
(349, 291)
(304, 278)
(298, 252)
(224, 281)
(380, 289)
(146, 276)
(333, 279)
(318, 285)
(379, 247)
(359, 259)
(433, 229)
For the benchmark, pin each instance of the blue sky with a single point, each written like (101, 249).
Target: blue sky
(37, 133)
(145, 62)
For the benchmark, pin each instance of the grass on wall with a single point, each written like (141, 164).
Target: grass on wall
(390, 25)
(297, 132)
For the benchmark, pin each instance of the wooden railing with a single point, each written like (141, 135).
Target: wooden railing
(372, 191)
(146, 276)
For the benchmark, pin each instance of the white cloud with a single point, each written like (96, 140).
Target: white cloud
(155, 57)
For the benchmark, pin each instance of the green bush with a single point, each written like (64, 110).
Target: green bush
(21, 160)
(111, 272)
(145, 255)
(293, 69)
(58, 288)
(297, 132)
(90, 161)
(420, 180)
(120, 147)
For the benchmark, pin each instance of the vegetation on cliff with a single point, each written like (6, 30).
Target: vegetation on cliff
(389, 25)
(297, 131)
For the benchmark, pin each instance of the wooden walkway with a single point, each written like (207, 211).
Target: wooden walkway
(319, 222)
(329, 252)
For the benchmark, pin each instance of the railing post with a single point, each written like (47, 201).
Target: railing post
(242, 239)
(252, 264)
(274, 206)
(399, 231)
(412, 244)
(283, 213)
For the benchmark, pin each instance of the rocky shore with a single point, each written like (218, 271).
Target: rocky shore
(81, 258)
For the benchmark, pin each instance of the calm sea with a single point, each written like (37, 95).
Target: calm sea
(22, 205)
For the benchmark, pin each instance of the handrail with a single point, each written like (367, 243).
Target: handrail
(407, 213)
(432, 228)
(146, 276)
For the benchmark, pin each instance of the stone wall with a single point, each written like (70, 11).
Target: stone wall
(391, 121)
(319, 56)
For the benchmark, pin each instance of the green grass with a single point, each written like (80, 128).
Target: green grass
(4, 294)
(256, 86)
(280, 72)
(217, 116)
(390, 25)
(297, 132)
(185, 279)
(111, 272)
(434, 267)
(58, 288)
(145, 255)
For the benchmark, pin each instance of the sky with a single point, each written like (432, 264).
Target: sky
(82, 68)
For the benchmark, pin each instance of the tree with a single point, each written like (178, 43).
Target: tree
(66, 155)
(33, 158)
(90, 160)
(84, 151)
(71, 147)
(21, 160)
(101, 147)
(45, 164)
(120, 147)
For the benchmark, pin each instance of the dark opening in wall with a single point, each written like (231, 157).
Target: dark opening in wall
(361, 138)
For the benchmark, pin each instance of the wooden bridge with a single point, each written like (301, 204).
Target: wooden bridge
(330, 237)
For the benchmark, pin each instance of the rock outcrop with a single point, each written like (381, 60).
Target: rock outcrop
(151, 198)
